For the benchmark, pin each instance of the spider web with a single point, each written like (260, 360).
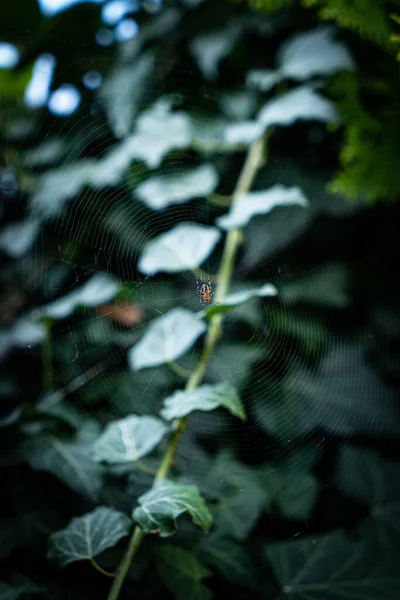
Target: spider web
(300, 362)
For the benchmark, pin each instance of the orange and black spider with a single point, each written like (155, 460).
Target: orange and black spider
(205, 292)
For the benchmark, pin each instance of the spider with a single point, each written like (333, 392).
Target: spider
(205, 292)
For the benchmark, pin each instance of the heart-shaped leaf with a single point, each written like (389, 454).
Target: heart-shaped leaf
(183, 248)
(232, 300)
(99, 289)
(182, 572)
(160, 507)
(68, 458)
(303, 56)
(162, 191)
(261, 202)
(167, 338)
(127, 440)
(88, 536)
(332, 566)
(300, 104)
(205, 397)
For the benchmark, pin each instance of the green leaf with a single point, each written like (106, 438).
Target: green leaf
(160, 507)
(123, 91)
(326, 286)
(182, 248)
(229, 557)
(210, 48)
(13, 82)
(68, 458)
(99, 289)
(88, 536)
(303, 56)
(374, 481)
(53, 405)
(21, 586)
(127, 440)
(182, 573)
(167, 338)
(240, 494)
(246, 206)
(300, 104)
(292, 486)
(17, 238)
(233, 300)
(331, 566)
(205, 397)
(162, 191)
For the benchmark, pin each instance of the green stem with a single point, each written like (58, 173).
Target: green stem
(47, 359)
(180, 371)
(100, 569)
(233, 239)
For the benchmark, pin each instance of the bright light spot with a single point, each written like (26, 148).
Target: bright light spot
(104, 37)
(115, 10)
(37, 90)
(92, 80)
(52, 7)
(64, 101)
(9, 56)
(126, 30)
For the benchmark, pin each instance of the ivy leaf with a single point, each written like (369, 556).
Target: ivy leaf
(17, 238)
(262, 202)
(160, 507)
(209, 49)
(127, 440)
(88, 536)
(167, 338)
(292, 485)
(229, 557)
(240, 494)
(20, 586)
(158, 131)
(182, 248)
(205, 397)
(162, 191)
(300, 104)
(374, 481)
(99, 289)
(331, 566)
(182, 573)
(68, 458)
(122, 92)
(304, 56)
(238, 298)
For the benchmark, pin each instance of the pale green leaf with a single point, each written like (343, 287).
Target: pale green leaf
(205, 397)
(123, 91)
(210, 48)
(127, 440)
(167, 338)
(99, 289)
(182, 248)
(160, 507)
(88, 536)
(182, 573)
(236, 299)
(17, 238)
(261, 202)
(303, 104)
(159, 192)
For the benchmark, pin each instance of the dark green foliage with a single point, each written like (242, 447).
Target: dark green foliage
(284, 481)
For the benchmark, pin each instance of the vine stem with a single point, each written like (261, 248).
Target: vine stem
(254, 160)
